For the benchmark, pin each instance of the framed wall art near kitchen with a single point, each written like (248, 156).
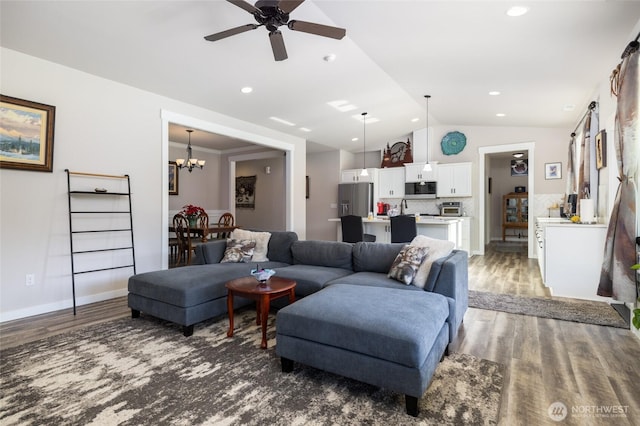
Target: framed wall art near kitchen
(520, 167)
(173, 178)
(246, 192)
(26, 142)
(601, 149)
(553, 170)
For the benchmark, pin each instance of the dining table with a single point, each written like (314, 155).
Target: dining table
(205, 232)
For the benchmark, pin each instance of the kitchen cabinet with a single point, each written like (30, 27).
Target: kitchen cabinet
(454, 180)
(353, 176)
(515, 211)
(413, 172)
(391, 182)
(465, 234)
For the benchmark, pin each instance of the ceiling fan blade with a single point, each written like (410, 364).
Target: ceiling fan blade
(232, 31)
(246, 6)
(287, 6)
(317, 29)
(277, 45)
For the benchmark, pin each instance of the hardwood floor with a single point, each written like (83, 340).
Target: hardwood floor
(590, 369)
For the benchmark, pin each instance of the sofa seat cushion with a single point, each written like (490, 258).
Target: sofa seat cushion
(190, 285)
(372, 279)
(391, 324)
(311, 278)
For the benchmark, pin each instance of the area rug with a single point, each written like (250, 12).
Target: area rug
(145, 372)
(587, 312)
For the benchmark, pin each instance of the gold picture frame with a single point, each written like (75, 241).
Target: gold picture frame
(173, 178)
(601, 149)
(26, 142)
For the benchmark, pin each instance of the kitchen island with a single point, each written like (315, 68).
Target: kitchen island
(442, 228)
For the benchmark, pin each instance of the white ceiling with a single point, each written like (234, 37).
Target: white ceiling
(394, 53)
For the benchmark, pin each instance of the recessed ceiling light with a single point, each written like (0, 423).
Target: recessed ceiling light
(354, 139)
(500, 114)
(246, 89)
(569, 107)
(413, 120)
(517, 10)
(280, 120)
(342, 105)
(494, 93)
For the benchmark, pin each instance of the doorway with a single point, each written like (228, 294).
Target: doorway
(484, 209)
(254, 138)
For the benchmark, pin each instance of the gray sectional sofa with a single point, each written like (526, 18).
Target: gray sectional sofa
(352, 320)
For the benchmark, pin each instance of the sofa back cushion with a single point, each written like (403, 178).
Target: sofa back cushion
(335, 254)
(375, 257)
(280, 246)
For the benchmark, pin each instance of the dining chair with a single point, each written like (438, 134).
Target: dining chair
(403, 228)
(203, 224)
(226, 219)
(353, 230)
(183, 238)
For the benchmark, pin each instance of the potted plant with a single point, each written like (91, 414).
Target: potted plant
(192, 213)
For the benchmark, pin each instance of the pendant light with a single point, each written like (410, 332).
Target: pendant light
(427, 165)
(364, 171)
(190, 163)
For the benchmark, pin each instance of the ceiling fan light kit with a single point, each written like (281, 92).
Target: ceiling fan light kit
(273, 14)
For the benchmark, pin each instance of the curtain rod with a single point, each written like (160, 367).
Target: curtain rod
(631, 47)
(592, 106)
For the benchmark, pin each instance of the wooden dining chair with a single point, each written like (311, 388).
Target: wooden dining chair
(226, 219)
(183, 239)
(203, 224)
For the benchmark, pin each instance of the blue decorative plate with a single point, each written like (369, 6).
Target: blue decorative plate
(453, 143)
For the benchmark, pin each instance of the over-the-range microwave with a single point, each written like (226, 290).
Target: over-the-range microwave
(420, 190)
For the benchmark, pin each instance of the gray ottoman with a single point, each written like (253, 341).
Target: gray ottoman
(391, 338)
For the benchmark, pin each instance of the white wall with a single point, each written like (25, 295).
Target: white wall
(201, 187)
(101, 127)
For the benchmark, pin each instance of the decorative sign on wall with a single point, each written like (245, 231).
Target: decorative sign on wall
(398, 154)
(246, 192)
(453, 143)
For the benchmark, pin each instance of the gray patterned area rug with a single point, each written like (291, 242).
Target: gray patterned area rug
(145, 372)
(586, 312)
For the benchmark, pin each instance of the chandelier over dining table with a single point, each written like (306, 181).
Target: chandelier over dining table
(190, 163)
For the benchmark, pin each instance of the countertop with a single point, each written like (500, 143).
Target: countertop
(561, 221)
(424, 220)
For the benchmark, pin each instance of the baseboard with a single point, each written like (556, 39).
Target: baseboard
(60, 305)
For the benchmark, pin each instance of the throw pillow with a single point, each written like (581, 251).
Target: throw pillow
(238, 251)
(407, 262)
(437, 249)
(261, 239)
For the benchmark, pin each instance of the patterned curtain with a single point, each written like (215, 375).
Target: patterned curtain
(571, 173)
(617, 280)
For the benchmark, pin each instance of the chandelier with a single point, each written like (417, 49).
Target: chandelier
(190, 162)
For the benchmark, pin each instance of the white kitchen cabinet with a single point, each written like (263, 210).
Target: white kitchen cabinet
(573, 258)
(353, 176)
(391, 182)
(454, 180)
(465, 234)
(413, 172)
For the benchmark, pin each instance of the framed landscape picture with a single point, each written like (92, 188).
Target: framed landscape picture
(173, 178)
(26, 139)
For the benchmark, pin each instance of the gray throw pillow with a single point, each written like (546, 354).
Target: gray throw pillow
(407, 262)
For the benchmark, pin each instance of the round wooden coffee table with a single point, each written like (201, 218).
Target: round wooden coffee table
(250, 288)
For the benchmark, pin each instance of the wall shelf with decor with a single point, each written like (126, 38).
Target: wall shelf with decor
(100, 224)
(515, 212)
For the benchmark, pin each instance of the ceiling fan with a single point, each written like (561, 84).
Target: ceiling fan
(273, 14)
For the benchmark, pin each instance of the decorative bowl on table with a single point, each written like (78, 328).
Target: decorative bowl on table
(262, 275)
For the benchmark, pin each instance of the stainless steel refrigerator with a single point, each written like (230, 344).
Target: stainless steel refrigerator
(355, 198)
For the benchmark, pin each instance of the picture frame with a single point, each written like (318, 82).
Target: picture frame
(246, 192)
(173, 178)
(520, 167)
(27, 142)
(552, 171)
(601, 149)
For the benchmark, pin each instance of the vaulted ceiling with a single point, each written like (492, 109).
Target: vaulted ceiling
(543, 63)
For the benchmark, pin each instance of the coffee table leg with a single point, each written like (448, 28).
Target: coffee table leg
(264, 316)
(230, 311)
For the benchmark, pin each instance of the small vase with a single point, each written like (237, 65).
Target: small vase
(193, 222)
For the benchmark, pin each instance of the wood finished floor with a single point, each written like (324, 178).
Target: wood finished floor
(586, 367)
